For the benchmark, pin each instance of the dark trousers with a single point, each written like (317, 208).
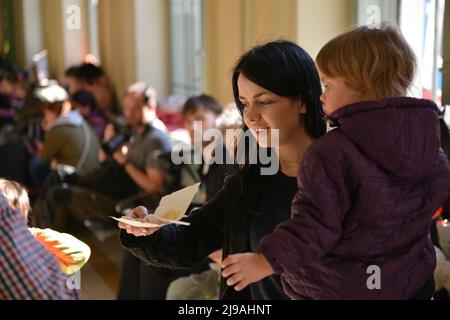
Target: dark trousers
(143, 282)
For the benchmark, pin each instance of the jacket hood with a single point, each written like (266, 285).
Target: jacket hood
(401, 135)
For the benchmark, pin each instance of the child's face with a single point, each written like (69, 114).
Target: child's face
(336, 93)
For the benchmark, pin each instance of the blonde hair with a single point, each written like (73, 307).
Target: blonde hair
(378, 63)
(16, 195)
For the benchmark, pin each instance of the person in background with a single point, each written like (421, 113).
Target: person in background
(13, 93)
(68, 140)
(128, 168)
(84, 102)
(206, 285)
(91, 78)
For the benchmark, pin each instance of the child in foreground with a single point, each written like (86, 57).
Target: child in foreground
(70, 252)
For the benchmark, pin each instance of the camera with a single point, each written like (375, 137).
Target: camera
(117, 141)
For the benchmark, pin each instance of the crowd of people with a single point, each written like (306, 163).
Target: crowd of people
(365, 194)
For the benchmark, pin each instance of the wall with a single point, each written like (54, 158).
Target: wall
(32, 24)
(446, 64)
(53, 35)
(76, 39)
(118, 42)
(152, 44)
(234, 26)
(321, 20)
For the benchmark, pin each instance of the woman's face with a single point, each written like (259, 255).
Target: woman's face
(265, 110)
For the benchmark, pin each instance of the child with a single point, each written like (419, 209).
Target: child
(367, 190)
(27, 270)
(70, 252)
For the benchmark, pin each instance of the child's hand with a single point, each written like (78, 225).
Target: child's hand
(241, 269)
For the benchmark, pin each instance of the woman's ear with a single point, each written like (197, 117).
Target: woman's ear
(301, 107)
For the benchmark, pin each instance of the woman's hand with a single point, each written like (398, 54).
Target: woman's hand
(242, 269)
(140, 213)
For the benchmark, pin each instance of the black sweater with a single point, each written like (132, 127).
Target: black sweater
(233, 220)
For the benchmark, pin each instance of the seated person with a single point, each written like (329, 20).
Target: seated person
(91, 78)
(84, 102)
(127, 170)
(68, 138)
(13, 93)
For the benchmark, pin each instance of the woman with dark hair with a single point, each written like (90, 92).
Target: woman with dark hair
(276, 89)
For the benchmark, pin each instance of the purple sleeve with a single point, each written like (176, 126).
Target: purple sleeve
(318, 211)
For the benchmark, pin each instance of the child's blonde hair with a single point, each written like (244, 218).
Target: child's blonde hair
(378, 63)
(16, 195)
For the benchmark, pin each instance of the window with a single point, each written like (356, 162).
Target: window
(187, 50)
(421, 22)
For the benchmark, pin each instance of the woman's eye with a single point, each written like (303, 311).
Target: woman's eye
(245, 105)
(265, 103)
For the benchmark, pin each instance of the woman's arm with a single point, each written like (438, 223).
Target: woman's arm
(176, 246)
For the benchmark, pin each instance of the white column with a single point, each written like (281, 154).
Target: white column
(32, 29)
(75, 31)
(152, 44)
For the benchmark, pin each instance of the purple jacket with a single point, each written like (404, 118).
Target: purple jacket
(367, 192)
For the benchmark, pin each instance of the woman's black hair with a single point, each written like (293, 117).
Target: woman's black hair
(287, 70)
(84, 98)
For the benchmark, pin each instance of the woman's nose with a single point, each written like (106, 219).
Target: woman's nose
(252, 113)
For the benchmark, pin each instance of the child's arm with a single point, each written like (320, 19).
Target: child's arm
(319, 209)
(242, 269)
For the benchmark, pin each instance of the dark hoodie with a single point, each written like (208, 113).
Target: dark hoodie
(367, 192)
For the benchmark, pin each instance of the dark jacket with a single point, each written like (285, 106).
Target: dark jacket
(367, 192)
